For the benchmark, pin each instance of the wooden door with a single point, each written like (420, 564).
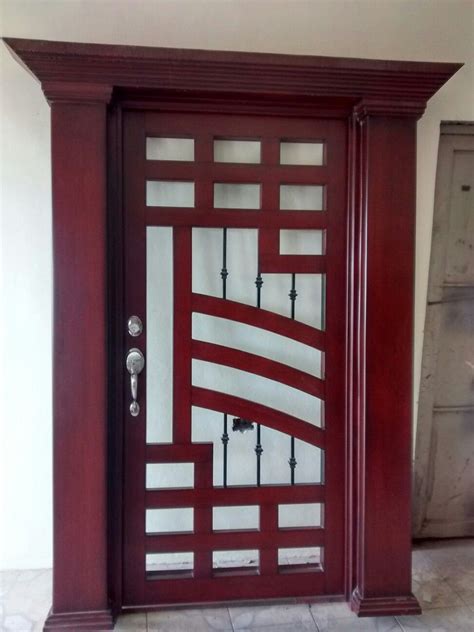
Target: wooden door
(235, 264)
(444, 466)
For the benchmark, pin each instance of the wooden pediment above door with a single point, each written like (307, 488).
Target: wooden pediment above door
(100, 96)
(382, 86)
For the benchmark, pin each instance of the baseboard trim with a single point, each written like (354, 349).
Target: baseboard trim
(93, 621)
(384, 606)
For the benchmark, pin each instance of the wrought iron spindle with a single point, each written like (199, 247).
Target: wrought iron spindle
(224, 275)
(224, 271)
(225, 441)
(258, 446)
(292, 460)
(259, 283)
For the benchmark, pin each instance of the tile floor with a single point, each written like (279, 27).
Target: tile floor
(443, 581)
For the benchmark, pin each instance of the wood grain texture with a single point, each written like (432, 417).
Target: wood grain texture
(273, 75)
(371, 103)
(384, 373)
(79, 360)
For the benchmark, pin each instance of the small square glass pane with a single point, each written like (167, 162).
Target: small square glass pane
(236, 195)
(170, 149)
(246, 151)
(169, 193)
(301, 242)
(300, 515)
(293, 153)
(235, 559)
(163, 563)
(308, 556)
(170, 520)
(301, 197)
(169, 475)
(235, 518)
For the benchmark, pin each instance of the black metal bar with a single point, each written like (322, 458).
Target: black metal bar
(224, 271)
(225, 441)
(258, 446)
(258, 452)
(293, 294)
(292, 460)
(259, 283)
(224, 275)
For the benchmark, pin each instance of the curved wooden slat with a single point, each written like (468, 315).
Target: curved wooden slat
(224, 403)
(260, 318)
(258, 365)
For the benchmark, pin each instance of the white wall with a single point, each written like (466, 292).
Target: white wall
(432, 30)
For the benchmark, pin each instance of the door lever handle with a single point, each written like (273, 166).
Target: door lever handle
(134, 362)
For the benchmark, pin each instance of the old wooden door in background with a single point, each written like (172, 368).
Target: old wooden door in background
(444, 474)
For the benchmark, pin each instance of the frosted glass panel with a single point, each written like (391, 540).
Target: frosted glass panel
(169, 562)
(276, 452)
(254, 340)
(236, 195)
(247, 151)
(301, 242)
(169, 520)
(241, 517)
(170, 149)
(233, 559)
(301, 197)
(168, 475)
(169, 193)
(159, 355)
(300, 515)
(311, 555)
(257, 389)
(301, 153)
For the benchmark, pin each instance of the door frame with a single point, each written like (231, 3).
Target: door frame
(87, 86)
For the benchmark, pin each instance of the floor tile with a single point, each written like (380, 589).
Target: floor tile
(246, 617)
(195, 620)
(28, 600)
(335, 617)
(131, 623)
(458, 619)
(435, 593)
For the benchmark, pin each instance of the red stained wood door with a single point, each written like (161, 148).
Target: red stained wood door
(235, 262)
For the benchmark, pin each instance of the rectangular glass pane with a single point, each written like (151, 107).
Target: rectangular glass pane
(170, 149)
(169, 520)
(235, 559)
(159, 326)
(247, 151)
(311, 556)
(301, 242)
(293, 153)
(169, 193)
(232, 518)
(301, 197)
(169, 562)
(236, 195)
(300, 515)
(169, 475)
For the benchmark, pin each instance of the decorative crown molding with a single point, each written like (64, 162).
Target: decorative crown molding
(380, 107)
(261, 75)
(75, 92)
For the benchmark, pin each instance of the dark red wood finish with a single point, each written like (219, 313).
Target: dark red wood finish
(379, 101)
(80, 364)
(143, 589)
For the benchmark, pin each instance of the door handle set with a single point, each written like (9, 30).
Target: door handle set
(135, 362)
